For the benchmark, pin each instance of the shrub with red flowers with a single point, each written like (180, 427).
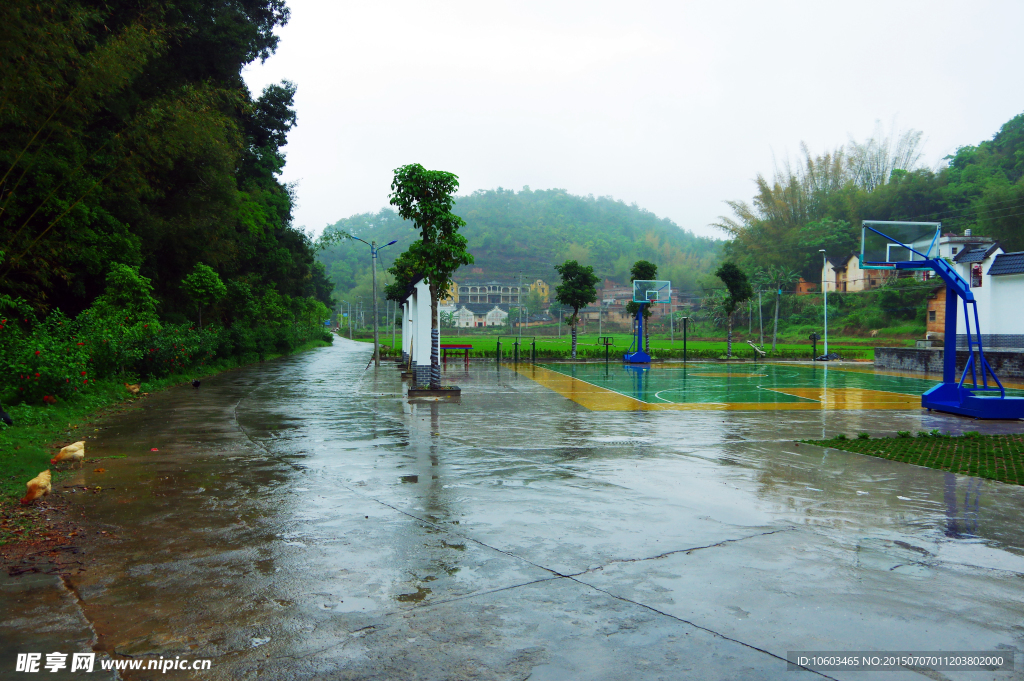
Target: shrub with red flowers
(42, 358)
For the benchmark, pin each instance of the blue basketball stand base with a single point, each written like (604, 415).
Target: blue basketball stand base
(954, 399)
(638, 357)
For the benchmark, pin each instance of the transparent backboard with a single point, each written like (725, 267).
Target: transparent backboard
(883, 244)
(652, 291)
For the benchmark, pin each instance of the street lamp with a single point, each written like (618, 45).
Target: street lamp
(824, 290)
(373, 263)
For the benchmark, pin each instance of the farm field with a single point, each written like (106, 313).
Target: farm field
(589, 348)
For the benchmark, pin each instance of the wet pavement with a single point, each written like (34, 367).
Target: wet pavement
(303, 520)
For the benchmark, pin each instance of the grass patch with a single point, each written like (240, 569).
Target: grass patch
(552, 347)
(995, 457)
(27, 446)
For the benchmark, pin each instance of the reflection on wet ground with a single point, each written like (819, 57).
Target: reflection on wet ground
(303, 520)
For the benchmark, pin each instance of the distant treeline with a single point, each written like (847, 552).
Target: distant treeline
(532, 230)
(820, 203)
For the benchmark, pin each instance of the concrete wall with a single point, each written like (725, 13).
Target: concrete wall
(405, 330)
(1006, 296)
(1006, 364)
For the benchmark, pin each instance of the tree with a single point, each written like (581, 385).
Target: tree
(643, 270)
(739, 290)
(426, 197)
(576, 291)
(128, 296)
(204, 287)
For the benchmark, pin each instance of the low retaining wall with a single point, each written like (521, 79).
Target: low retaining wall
(1006, 363)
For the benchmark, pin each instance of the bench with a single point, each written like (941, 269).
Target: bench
(446, 348)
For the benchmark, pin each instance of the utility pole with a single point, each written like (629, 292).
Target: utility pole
(374, 248)
(824, 291)
(520, 299)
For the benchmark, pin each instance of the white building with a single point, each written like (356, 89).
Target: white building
(951, 245)
(471, 315)
(997, 282)
(416, 330)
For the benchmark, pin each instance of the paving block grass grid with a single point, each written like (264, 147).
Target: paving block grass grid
(996, 457)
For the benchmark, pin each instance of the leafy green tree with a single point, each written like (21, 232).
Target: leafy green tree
(576, 291)
(204, 287)
(426, 198)
(128, 297)
(739, 288)
(643, 270)
(405, 270)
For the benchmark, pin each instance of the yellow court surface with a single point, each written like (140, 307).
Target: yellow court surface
(705, 386)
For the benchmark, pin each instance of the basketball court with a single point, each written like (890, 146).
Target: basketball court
(744, 387)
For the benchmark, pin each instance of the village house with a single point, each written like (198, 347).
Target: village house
(473, 315)
(843, 273)
(804, 287)
(497, 292)
(996, 279)
(543, 289)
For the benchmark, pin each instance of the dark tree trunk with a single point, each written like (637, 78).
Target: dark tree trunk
(574, 336)
(728, 337)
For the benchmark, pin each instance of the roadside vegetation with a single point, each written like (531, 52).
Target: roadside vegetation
(145, 235)
(996, 457)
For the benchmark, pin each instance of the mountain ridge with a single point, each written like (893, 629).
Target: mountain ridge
(530, 231)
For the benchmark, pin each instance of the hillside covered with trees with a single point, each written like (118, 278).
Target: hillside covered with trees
(531, 231)
(820, 202)
(140, 193)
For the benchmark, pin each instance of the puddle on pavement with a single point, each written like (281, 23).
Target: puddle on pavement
(285, 525)
(420, 593)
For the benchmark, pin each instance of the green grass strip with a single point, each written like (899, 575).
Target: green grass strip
(995, 457)
(26, 447)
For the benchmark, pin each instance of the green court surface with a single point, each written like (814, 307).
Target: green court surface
(731, 386)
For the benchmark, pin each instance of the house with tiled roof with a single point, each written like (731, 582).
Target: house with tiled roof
(996, 279)
(843, 273)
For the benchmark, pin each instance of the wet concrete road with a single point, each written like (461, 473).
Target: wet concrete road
(302, 520)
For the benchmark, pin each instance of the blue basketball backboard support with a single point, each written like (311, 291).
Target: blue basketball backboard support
(639, 356)
(952, 395)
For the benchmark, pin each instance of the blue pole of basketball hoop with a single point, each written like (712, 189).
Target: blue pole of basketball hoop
(638, 357)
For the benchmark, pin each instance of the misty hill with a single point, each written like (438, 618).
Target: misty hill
(530, 231)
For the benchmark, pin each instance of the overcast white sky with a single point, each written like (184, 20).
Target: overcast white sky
(675, 106)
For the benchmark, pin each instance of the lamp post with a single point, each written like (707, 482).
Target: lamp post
(373, 264)
(824, 291)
